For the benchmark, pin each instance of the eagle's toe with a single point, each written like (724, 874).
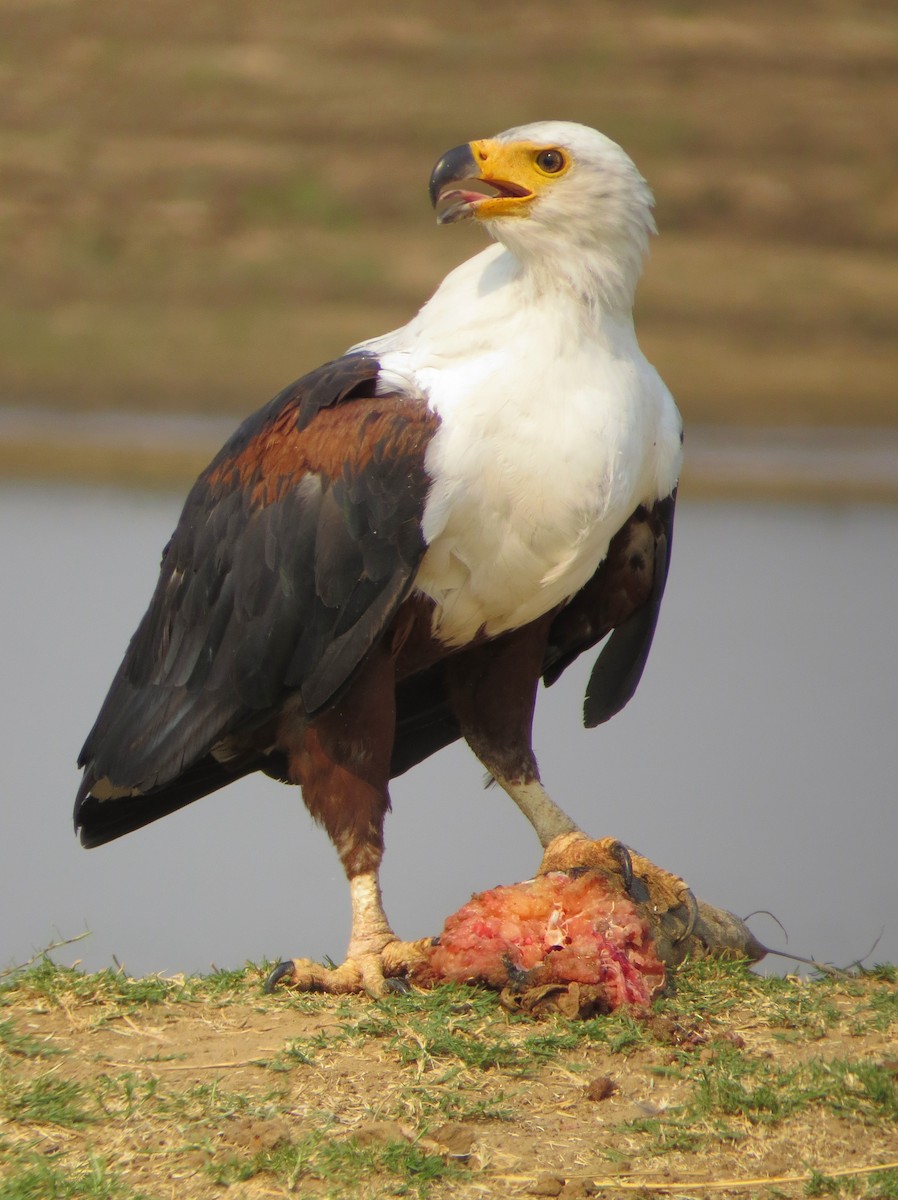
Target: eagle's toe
(365, 972)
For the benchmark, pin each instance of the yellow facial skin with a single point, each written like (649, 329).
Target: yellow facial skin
(525, 165)
(518, 171)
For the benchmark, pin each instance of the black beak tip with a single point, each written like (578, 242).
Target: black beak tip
(456, 164)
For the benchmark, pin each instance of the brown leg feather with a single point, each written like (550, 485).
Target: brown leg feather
(342, 763)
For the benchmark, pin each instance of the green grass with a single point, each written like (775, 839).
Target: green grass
(34, 1177)
(456, 1025)
(307, 1118)
(407, 1169)
(734, 1091)
(24, 1044)
(124, 993)
(47, 1100)
(882, 1186)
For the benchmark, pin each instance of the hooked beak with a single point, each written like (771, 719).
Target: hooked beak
(461, 166)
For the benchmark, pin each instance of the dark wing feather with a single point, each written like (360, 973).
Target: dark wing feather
(294, 550)
(425, 722)
(624, 596)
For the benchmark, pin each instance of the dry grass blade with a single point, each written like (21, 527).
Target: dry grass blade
(40, 955)
(720, 1185)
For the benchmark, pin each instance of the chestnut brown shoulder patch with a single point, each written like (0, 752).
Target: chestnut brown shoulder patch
(293, 552)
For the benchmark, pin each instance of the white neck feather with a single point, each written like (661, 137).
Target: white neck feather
(599, 272)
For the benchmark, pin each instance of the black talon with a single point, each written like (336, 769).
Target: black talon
(282, 969)
(399, 985)
(622, 854)
(692, 906)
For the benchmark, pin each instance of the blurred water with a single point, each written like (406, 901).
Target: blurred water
(758, 758)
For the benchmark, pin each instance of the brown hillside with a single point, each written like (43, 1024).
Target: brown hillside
(199, 202)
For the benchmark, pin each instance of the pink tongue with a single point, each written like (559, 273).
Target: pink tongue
(459, 196)
(467, 197)
(456, 204)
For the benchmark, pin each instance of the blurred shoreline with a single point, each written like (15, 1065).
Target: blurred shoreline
(167, 451)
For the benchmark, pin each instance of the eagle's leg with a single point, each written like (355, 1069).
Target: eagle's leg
(342, 762)
(374, 955)
(493, 694)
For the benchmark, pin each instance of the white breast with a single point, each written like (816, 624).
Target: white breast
(550, 436)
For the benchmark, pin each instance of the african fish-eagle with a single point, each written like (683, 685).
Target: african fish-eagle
(395, 550)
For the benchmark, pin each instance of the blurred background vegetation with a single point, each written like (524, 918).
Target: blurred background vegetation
(199, 202)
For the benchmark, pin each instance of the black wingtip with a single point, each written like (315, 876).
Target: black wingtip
(618, 669)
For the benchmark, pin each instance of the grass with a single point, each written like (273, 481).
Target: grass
(47, 982)
(883, 1187)
(14, 1042)
(404, 1167)
(36, 1178)
(109, 1085)
(47, 1100)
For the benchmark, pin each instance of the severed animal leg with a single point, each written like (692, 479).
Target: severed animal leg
(493, 694)
(342, 762)
(681, 924)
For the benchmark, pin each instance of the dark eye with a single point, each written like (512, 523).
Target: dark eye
(550, 161)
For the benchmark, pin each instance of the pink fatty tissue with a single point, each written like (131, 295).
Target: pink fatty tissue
(557, 928)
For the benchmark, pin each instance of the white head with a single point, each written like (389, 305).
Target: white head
(565, 200)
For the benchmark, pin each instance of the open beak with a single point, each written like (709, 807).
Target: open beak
(459, 166)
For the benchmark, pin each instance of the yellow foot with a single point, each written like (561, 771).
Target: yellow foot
(367, 971)
(647, 883)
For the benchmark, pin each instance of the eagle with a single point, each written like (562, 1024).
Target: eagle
(393, 552)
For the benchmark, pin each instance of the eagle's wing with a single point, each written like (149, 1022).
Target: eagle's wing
(622, 598)
(293, 552)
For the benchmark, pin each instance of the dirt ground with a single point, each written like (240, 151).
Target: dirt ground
(200, 202)
(735, 1087)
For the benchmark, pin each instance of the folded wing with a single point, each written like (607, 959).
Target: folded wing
(293, 552)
